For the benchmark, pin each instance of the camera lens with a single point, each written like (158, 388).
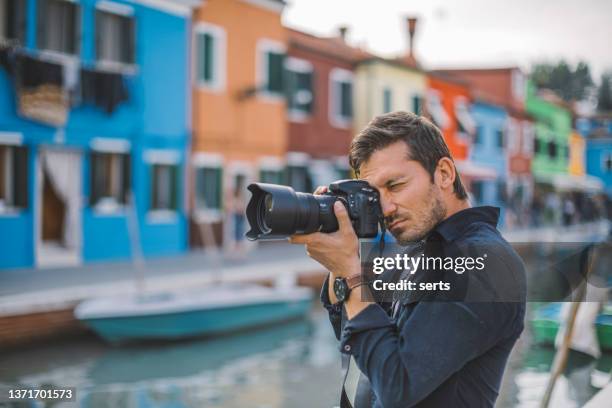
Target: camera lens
(276, 212)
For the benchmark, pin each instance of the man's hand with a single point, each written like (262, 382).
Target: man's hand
(337, 251)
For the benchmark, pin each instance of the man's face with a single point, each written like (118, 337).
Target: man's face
(411, 203)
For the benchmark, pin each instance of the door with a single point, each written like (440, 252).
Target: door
(58, 221)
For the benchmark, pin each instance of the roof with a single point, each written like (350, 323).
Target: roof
(334, 47)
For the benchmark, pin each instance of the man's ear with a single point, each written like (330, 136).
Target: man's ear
(445, 174)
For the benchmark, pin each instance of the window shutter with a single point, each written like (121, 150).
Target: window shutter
(20, 169)
(95, 181)
(126, 178)
(75, 38)
(130, 41)
(41, 32)
(346, 107)
(308, 82)
(201, 56)
(276, 63)
(99, 28)
(208, 57)
(174, 187)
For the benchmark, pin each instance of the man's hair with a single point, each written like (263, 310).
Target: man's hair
(424, 140)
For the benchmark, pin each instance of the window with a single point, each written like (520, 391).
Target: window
(417, 104)
(477, 190)
(164, 186)
(110, 179)
(58, 26)
(528, 138)
(499, 138)
(435, 110)
(271, 68)
(271, 176)
(12, 20)
(519, 85)
(387, 100)
(552, 150)
(466, 125)
(341, 97)
(607, 162)
(300, 95)
(13, 177)
(115, 36)
(513, 136)
(501, 191)
(208, 191)
(299, 178)
(478, 136)
(210, 52)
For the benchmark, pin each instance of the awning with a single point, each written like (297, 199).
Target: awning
(464, 116)
(436, 110)
(470, 169)
(569, 182)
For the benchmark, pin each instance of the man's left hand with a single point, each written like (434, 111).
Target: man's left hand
(337, 251)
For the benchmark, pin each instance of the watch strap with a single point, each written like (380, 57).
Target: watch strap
(354, 281)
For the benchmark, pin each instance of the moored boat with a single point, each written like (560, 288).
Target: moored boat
(210, 311)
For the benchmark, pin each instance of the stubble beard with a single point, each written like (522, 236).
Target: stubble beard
(431, 219)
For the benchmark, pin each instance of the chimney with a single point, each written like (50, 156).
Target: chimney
(342, 30)
(412, 22)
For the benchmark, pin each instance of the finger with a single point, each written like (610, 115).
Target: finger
(306, 238)
(320, 190)
(344, 222)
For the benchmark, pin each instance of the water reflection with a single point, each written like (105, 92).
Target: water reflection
(291, 365)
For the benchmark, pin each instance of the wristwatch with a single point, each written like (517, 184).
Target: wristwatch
(343, 286)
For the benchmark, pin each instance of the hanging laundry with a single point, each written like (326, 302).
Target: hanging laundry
(40, 90)
(104, 89)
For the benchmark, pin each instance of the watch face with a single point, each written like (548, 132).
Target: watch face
(341, 289)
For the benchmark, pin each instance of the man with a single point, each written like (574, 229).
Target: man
(430, 350)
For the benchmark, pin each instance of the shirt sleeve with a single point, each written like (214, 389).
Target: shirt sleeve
(334, 310)
(406, 364)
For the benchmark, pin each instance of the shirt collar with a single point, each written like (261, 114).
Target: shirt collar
(454, 226)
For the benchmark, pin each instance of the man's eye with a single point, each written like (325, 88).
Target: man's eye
(395, 187)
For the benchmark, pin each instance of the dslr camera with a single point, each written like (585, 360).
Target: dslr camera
(276, 212)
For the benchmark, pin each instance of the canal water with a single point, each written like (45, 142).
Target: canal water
(291, 365)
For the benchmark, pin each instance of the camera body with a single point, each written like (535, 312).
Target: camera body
(362, 202)
(277, 212)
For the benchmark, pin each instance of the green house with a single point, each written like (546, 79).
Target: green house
(553, 127)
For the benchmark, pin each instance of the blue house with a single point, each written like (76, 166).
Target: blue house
(94, 117)
(598, 133)
(489, 151)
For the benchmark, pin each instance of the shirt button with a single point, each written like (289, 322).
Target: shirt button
(347, 348)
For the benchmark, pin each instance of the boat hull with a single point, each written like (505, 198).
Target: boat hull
(195, 323)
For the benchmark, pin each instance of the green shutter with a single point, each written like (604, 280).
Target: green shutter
(275, 72)
(387, 101)
(346, 99)
(205, 44)
(416, 104)
(208, 57)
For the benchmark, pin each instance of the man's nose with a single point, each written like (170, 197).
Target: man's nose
(388, 207)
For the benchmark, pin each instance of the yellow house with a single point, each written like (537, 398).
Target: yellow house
(577, 146)
(383, 86)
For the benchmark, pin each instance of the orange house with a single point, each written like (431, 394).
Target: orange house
(447, 104)
(239, 125)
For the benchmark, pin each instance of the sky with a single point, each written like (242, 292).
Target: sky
(469, 33)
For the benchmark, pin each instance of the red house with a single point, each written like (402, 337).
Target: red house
(319, 108)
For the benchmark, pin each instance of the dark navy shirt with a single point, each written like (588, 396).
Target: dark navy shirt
(439, 351)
